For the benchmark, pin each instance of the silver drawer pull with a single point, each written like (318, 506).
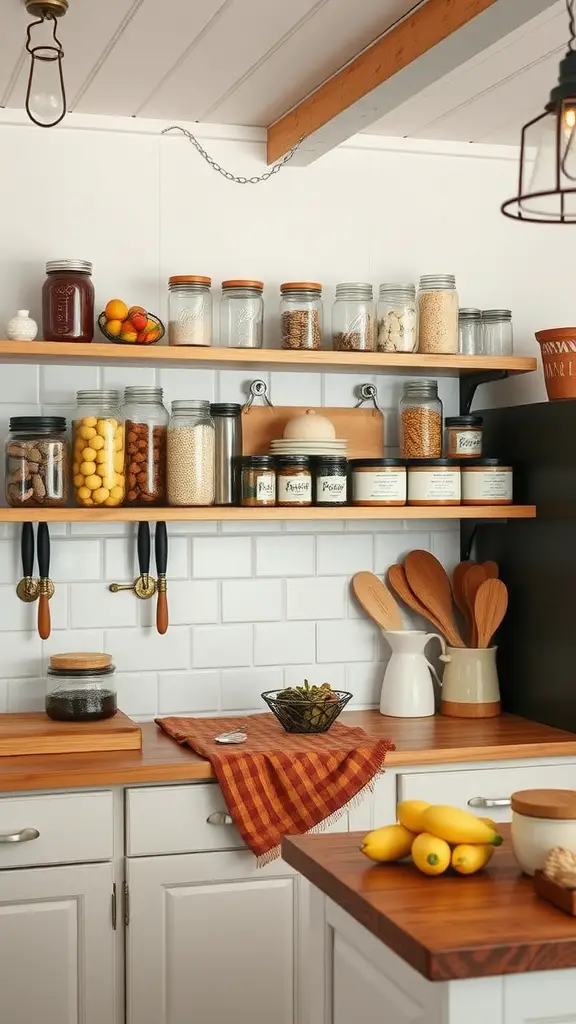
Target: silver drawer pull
(484, 801)
(219, 818)
(25, 835)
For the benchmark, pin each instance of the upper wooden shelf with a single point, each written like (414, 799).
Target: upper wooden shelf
(259, 359)
(214, 513)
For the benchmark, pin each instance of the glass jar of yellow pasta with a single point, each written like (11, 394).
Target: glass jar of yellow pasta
(98, 450)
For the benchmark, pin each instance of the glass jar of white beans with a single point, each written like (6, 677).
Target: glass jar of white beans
(191, 472)
(438, 314)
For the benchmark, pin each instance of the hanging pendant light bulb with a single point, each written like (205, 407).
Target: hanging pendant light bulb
(45, 95)
(547, 185)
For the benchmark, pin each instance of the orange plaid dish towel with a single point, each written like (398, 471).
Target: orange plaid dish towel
(279, 783)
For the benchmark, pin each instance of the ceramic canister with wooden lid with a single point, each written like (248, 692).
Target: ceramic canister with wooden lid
(80, 687)
(541, 820)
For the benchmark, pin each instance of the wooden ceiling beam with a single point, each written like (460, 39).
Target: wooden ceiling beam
(435, 39)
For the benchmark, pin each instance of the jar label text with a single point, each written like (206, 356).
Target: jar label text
(266, 487)
(295, 488)
(331, 488)
(434, 486)
(466, 442)
(483, 486)
(390, 486)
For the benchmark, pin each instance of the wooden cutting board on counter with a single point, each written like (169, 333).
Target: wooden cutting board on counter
(35, 733)
(363, 428)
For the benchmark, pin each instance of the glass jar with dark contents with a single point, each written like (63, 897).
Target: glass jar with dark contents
(81, 687)
(330, 480)
(68, 301)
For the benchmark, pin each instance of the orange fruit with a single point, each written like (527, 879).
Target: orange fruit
(134, 310)
(114, 327)
(116, 310)
(139, 321)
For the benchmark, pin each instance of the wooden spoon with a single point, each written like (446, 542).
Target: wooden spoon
(428, 580)
(491, 570)
(489, 609)
(399, 583)
(473, 579)
(458, 587)
(376, 600)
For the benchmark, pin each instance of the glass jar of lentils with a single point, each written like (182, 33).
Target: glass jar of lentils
(301, 314)
(353, 318)
(242, 314)
(420, 420)
(146, 422)
(191, 473)
(438, 314)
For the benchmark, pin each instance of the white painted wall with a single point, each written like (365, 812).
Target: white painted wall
(251, 605)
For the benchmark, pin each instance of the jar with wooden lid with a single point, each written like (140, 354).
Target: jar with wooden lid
(378, 482)
(190, 310)
(541, 820)
(301, 314)
(257, 481)
(80, 687)
(242, 314)
(420, 420)
(293, 481)
(464, 437)
(487, 482)
(353, 318)
(434, 482)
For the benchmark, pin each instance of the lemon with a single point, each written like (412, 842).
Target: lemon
(467, 859)
(113, 327)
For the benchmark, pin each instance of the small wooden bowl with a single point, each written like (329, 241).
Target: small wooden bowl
(558, 350)
(565, 899)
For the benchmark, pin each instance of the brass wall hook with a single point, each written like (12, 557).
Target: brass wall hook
(144, 586)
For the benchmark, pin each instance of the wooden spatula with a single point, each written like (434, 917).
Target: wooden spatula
(458, 587)
(399, 583)
(428, 580)
(376, 600)
(489, 609)
(491, 570)
(473, 579)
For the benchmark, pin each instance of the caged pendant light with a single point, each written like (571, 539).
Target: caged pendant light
(45, 95)
(547, 185)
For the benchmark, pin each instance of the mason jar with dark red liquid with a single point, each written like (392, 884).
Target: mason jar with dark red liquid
(68, 301)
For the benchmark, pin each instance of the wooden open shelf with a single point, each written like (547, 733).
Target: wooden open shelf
(227, 515)
(259, 359)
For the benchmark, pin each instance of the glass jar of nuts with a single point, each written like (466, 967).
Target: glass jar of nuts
(420, 420)
(146, 424)
(98, 457)
(301, 315)
(37, 461)
(353, 318)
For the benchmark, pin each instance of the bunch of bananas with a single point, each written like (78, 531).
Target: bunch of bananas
(437, 837)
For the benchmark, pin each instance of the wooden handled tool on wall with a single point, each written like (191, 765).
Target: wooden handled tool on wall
(46, 587)
(161, 552)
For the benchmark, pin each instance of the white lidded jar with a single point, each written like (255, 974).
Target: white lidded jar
(541, 820)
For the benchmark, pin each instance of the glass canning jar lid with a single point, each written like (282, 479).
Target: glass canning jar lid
(74, 266)
(469, 313)
(439, 281)
(143, 393)
(257, 286)
(352, 290)
(109, 396)
(496, 314)
(40, 424)
(301, 286)
(183, 280)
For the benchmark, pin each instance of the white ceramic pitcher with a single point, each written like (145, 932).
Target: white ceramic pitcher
(407, 689)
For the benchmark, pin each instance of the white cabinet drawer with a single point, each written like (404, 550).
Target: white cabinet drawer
(71, 827)
(174, 819)
(485, 786)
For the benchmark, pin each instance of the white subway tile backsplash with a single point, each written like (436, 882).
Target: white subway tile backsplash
(187, 693)
(145, 650)
(221, 646)
(59, 384)
(364, 681)
(26, 694)
(17, 615)
(192, 601)
(352, 640)
(345, 554)
(120, 377)
(73, 559)
(194, 383)
(10, 564)
(391, 548)
(121, 559)
(266, 526)
(94, 602)
(213, 557)
(321, 598)
(18, 382)
(251, 600)
(446, 547)
(241, 688)
(137, 693)
(296, 388)
(285, 556)
(62, 640)
(286, 643)
(20, 655)
(4, 696)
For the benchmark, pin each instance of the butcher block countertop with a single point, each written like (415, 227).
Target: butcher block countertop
(418, 741)
(447, 927)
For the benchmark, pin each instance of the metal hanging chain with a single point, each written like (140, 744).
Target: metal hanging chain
(228, 174)
(571, 23)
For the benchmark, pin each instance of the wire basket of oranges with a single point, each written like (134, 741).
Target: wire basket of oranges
(132, 325)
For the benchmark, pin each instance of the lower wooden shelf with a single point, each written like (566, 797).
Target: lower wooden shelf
(226, 515)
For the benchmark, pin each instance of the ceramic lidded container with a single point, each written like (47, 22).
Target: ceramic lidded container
(541, 820)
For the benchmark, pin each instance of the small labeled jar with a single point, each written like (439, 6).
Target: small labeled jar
(301, 314)
(37, 462)
(257, 481)
(438, 314)
(464, 437)
(420, 420)
(293, 481)
(68, 301)
(242, 314)
(189, 310)
(98, 457)
(146, 425)
(542, 819)
(330, 481)
(487, 482)
(353, 318)
(377, 482)
(434, 482)
(497, 332)
(397, 318)
(470, 332)
(80, 687)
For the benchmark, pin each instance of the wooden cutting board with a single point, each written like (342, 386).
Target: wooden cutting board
(363, 428)
(35, 733)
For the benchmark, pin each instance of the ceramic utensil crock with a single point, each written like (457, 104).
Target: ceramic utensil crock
(407, 690)
(541, 820)
(470, 687)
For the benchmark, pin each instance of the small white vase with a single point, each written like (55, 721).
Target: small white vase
(22, 327)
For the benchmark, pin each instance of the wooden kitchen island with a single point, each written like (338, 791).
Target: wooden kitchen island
(389, 945)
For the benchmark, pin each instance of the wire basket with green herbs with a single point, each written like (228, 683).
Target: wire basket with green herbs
(307, 708)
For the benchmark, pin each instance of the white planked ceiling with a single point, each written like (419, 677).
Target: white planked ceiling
(228, 61)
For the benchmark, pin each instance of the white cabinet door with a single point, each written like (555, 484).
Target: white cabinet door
(57, 945)
(211, 940)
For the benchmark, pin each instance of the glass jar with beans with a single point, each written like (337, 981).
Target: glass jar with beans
(146, 423)
(301, 315)
(37, 461)
(353, 318)
(191, 469)
(420, 420)
(438, 314)
(98, 456)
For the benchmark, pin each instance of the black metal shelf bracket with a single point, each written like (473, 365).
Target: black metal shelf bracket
(471, 381)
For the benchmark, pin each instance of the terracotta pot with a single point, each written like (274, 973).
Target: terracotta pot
(558, 348)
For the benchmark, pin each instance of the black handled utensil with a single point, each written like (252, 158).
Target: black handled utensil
(28, 587)
(144, 586)
(161, 552)
(46, 587)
